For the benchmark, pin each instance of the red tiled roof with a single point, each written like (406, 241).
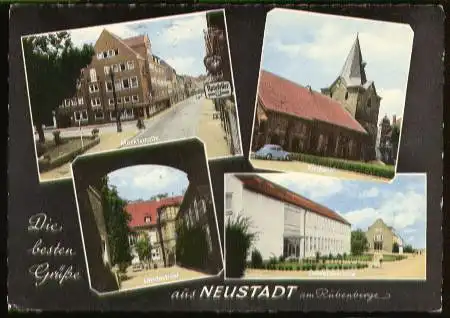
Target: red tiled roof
(281, 95)
(260, 185)
(135, 40)
(140, 210)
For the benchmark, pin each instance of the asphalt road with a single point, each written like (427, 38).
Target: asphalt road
(180, 121)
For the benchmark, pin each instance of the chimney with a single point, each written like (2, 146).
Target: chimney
(363, 64)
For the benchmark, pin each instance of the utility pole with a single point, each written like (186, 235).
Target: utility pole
(119, 124)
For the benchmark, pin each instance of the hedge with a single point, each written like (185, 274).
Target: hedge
(359, 167)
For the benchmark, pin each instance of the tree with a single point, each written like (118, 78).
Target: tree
(116, 219)
(53, 67)
(408, 249)
(144, 249)
(159, 196)
(359, 243)
(395, 248)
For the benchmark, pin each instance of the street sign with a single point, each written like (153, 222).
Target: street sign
(217, 90)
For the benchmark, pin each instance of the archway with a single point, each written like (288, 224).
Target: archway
(187, 157)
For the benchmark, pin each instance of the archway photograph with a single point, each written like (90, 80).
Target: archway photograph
(311, 227)
(147, 216)
(330, 99)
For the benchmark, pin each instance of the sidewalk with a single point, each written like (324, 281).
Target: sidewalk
(211, 132)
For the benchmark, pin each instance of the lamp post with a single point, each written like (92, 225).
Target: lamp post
(119, 124)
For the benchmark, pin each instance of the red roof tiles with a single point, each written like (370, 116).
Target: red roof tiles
(140, 210)
(281, 95)
(260, 185)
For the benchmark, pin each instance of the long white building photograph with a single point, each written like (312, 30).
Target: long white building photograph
(298, 225)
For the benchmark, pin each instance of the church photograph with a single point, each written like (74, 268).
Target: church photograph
(331, 97)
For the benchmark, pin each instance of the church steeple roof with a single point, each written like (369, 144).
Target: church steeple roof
(353, 71)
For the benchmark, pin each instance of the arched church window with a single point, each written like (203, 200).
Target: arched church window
(346, 95)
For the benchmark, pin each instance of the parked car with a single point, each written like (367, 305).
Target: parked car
(270, 152)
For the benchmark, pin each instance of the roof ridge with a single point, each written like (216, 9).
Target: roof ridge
(299, 195)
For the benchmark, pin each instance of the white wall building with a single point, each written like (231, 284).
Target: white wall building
(285, 223)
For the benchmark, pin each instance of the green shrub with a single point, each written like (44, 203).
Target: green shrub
(191, 247)
(256, 259)
(57, 137)
(360, 167)
(238, 242)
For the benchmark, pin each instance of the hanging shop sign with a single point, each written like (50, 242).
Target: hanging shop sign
(218, 90)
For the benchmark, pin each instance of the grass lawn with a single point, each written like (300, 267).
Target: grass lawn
(67, 146)
(387, 171)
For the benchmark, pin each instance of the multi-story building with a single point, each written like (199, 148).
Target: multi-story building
(167, 215)
(197, 209)
(125, 68)
(144, 224)
(217, 64)
(285, 223)
(381, 238)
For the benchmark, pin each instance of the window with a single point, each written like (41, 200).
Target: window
(130, 65)
(100, 55)
(228, 203)
(110, 53)
(116, 51)
(118, 85)
(74, 102)
(122, 67)
(155, 254)
(98, 115)
(93, 75)
(134, 82)
(111, 101)
(115, 68)
(95, 102)
(67, 102)
(135, 98)
(148, 219)
(108, 86)
(119, 100)
(106, 69)
(81, 115)
(346, 95)
(126, 99)
(93, 88)
(125, 83)
(80, 101)
(127, 113)
(105, 54)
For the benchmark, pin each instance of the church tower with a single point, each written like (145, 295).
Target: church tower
(357, 96)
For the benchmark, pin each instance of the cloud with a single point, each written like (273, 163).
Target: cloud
(183, 65)
(91, 34)
(143, 181)
(184, 29)
(315, 53)
(370, 193)
(400, 210)
(312, 186)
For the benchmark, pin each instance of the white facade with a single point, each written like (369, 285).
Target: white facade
(283, 228)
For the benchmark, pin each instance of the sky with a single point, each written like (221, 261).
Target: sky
(401, 203)
(178, 39)
(144, 181)
(311, 49)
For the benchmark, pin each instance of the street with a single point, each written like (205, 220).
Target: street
(189, 118)
(299, 166)
(413, 267)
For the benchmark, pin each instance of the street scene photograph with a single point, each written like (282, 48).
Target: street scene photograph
(302, 226)
(145, 224)
(112, 86)
(331, 97)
